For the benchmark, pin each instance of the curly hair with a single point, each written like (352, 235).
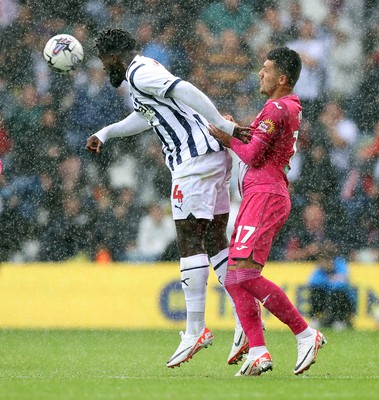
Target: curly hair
(117, 40)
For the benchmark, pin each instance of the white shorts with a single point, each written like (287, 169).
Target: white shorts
(201, 186)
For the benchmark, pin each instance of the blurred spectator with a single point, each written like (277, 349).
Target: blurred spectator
(332, 299)
(366, 101)
(153, 179)
(125, 221)
(218, 16)
(311, 84)
(360, 197)
(156, 232)
(24, 129)
(227, 70)
(342, 133)
(68, 232)
(8, 12)
(316, 179)
(307, 241)
(293, 19)
(90, 108)
(269, 29)
(17, 52)
(343, 65)
(14, 227)
(5, 141)
(116, 222)
(155, 44)
(7, 100)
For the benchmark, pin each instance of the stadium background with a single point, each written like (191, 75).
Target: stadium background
(32, 187)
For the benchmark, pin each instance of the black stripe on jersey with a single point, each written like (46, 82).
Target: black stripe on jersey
(171, 87)
(129, 69)
(201, 126)
(181, 119)
(170, 158)
(171, 133)
(131, 81)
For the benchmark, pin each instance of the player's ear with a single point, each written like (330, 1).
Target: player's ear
(283, 80)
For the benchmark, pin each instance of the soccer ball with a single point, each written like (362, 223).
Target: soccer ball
(63, 53)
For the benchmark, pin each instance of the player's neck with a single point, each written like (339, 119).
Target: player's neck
(128, 58)
(281, 92)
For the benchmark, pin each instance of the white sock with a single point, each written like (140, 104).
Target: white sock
(194, 272)
(256, 352)
(195, 323)
(306, 333)
(220, 266)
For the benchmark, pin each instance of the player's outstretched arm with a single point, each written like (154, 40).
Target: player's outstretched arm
(196, 99)
(131, 125)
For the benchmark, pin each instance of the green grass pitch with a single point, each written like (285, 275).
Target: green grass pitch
(112, 364)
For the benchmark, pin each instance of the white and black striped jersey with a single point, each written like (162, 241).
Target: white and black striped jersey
(182, 130)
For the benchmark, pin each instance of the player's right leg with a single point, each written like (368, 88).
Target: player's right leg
(217, 245)
(258, 359)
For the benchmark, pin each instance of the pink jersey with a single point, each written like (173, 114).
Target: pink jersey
(266, 159)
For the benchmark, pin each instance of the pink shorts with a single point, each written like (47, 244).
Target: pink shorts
(259, 219)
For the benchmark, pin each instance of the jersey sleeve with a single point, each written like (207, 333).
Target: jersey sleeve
(264, 130)
(153, 80)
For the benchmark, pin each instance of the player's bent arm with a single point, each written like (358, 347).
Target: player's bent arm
(196, 99)
(133, 124)
(251, 153)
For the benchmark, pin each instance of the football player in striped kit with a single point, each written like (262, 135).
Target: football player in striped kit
(200, 166)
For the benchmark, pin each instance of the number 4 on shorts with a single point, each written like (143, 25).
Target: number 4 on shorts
(178, 194)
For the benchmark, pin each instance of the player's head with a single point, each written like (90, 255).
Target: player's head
(287, 62)
(281, 70)
(113, 46)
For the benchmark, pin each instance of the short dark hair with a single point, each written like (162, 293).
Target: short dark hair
(114, 40)
(288, 63)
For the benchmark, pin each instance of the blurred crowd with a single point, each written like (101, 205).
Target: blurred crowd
(57, 201)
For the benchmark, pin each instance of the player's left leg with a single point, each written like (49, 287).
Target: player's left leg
(194, 272)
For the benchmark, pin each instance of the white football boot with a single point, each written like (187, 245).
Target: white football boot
(189, 346)
(240, 345)
(255, 367)
(307, 350)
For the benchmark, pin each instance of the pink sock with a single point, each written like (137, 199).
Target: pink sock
(248, 310)
(272, 298)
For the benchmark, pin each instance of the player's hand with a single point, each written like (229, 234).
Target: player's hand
(94, 144)
(242, 133)
(220, 135)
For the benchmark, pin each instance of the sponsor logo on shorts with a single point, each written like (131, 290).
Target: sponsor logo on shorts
(242, 247)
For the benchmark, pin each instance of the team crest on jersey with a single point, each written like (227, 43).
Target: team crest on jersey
(267, 126)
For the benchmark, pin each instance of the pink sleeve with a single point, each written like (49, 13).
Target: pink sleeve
(251, 153)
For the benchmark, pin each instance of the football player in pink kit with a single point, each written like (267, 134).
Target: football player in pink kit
(265, 207)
